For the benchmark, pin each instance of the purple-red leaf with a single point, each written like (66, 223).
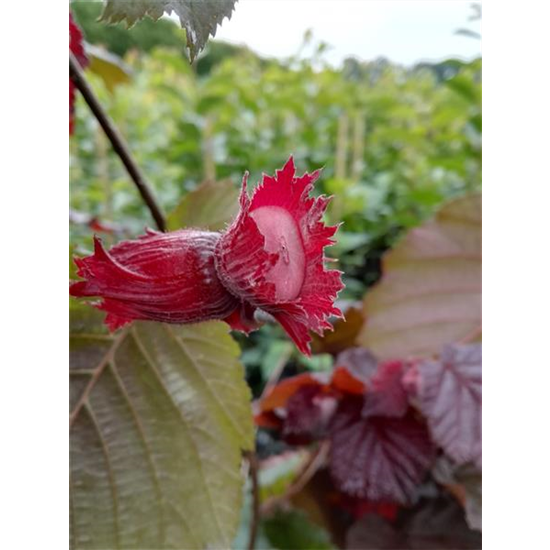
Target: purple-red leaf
(279, 395)
(464, 482)
(308, 413)
(449, 393)
(433, 524)
(387, 395)
(345, 382)
(360, 362)
(379, 458)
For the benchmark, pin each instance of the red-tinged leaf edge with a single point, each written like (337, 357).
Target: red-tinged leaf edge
(76, 45)
(281, 393)
(344, 381)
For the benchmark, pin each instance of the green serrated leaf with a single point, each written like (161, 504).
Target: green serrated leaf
(212, 206)
(199, 18)
(159, 416)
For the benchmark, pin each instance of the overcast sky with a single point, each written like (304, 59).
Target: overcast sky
(405, 31)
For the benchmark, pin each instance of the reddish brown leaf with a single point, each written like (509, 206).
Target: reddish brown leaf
(268, 420)
(359, 507)
(308, 413)
(360, 363)
(343, 380)
(382, 459)
(345, 331)
(450, 398)
(387, 395)
(281, 393)
(430, 291)
(433, 524)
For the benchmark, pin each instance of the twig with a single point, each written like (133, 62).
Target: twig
(313, 464)
(117, 141)
(255, 520)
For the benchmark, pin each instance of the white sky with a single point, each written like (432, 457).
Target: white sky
(405, 31)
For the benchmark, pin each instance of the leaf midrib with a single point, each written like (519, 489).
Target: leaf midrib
(160, 379)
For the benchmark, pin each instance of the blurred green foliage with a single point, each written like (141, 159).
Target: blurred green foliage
(394, 142)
